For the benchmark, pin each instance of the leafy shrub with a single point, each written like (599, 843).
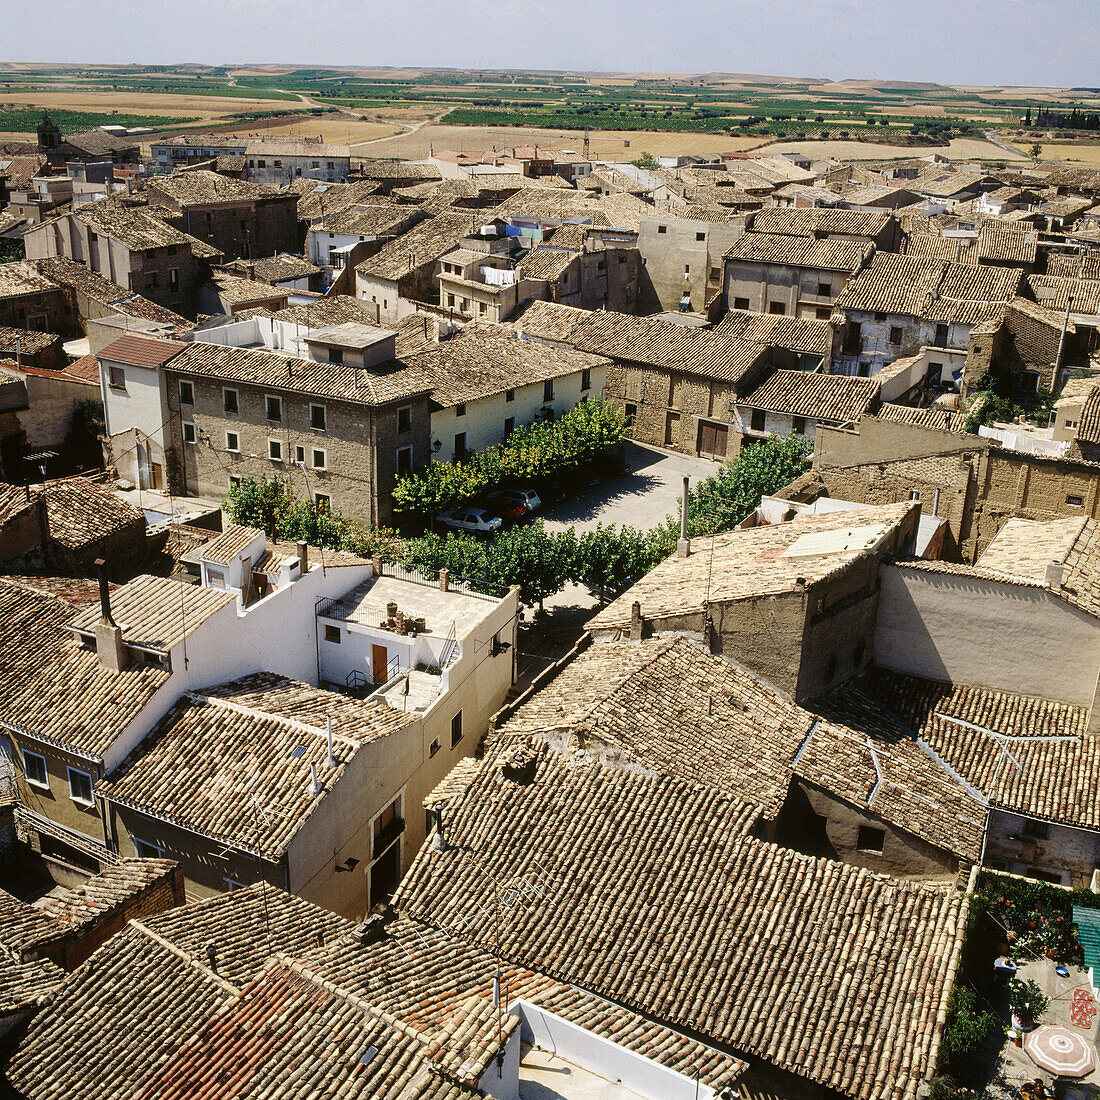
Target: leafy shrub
(967, 1030)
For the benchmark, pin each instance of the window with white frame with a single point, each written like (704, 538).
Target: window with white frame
(320, 461)
(34, 768)
(299, 456)
(275, 450)
(187, 392)
(80, 787)
(317, 418)
(274, 408)
(232, 441)
(146, 849)
(117, 378)
(230, 401)
(189, 435)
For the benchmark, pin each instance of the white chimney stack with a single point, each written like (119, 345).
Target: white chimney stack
(1054, 574)
(683, 547)
(314, 782)
(330, 760)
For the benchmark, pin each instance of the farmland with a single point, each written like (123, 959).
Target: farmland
(656, 112)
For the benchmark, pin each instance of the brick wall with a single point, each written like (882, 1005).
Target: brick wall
(239, 229)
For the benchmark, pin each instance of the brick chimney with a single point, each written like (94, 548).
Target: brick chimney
(108, 635)
(636, 622)
(303, 556)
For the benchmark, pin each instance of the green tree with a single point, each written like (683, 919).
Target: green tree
(967, 1030)
(646, 160)
(1035, 151)
(610, 558)
(537, 562)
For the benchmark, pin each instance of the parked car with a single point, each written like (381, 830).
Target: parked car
(506, 506)
(477, 520)
(527, 497)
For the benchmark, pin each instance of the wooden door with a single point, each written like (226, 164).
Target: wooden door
(379, 663)
(713, 439)
(158, 476)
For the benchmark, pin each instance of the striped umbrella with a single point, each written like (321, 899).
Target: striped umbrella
(1060, 1051)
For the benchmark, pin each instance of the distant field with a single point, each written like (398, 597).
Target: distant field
(625, 113)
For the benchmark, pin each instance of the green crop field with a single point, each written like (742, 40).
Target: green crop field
(25, 119)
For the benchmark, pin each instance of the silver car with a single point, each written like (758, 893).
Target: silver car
(477, 520)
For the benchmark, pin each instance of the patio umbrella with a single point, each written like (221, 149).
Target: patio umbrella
(1060, 1051)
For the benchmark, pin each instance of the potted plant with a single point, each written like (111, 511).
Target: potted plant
(1027, 1002)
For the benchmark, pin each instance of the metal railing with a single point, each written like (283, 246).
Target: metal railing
(80, 841)
(480, 587)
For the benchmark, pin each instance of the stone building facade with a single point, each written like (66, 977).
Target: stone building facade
(225, 433)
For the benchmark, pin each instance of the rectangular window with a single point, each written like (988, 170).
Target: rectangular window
(756, 420)
(715, 274)
(509, 426)
(433, 748)
(323, 502)
(188, 432)
(460, 410)
(234, 482)
(870, 839)
(700, 236)
(80, 787)
(631, 413)
(275, 450)
(456, 729)
(824, 290)
(146, 850)
(798, 425)
(317, 418)
(777, 308)
(404, 460)
(586, 379)
(299, 456)
(187, 393)
(740, 303)
(1037, 830)
(404, 420)
(548, 390)
(662, 229)
(460, 445)
(509, 395)
(34, 768)
(173, 278)
(335, 355)
(320, 460)
(1076, 501)
(483, 308)
(215, 578)
(823, 313)
(332, 633)
(450, 299)
(232, 441)
(895, 334)
(230, 401)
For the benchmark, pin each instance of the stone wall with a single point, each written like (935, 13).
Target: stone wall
(1041, 850)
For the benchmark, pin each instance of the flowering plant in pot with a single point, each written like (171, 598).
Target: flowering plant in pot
(1027, 1002)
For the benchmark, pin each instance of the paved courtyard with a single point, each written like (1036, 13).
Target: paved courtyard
(640, 499)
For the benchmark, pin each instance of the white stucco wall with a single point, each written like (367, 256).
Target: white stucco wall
(962, 629)
(484, 419)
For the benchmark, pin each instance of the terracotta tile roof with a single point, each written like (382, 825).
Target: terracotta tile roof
(1025, 547)
(1088, 429)
(334, 310)
(934, 290)
(799, 334)
(940, 184)
(133, 1004)
(281, 267)
(822, 221)
(203, 188)
(15, 501)
(21, 170)
(423, 243)
(87, 368)
(217, 755)
(1008, 243)
(133, 227)
(315, 198)
(398, 170)
(227, 547)
(546, 263)
(392, 381)
(791, 251)
(83, 512)
(22, 927)
(759, 561)
(620, 211)
(550, 320)
(1056, 779)
(157, 612)
(22, 277)
(935, 246)
(667, 345)
(55, 691)
(100, 141)
(483, 359)
(141, 351)
(835, 397)
(1053, 291)
(26, 985)
(232, 288)
(646, 877)
(104, 894)
(28, 341)
(942, 419)
(379, 219)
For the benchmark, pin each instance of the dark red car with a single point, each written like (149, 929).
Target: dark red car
(505, 507)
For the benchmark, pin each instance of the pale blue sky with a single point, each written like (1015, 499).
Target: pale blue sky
(1018, 42)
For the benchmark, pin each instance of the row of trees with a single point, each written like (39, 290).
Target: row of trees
(1051, 118)
(539, 562)
(547, 449)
